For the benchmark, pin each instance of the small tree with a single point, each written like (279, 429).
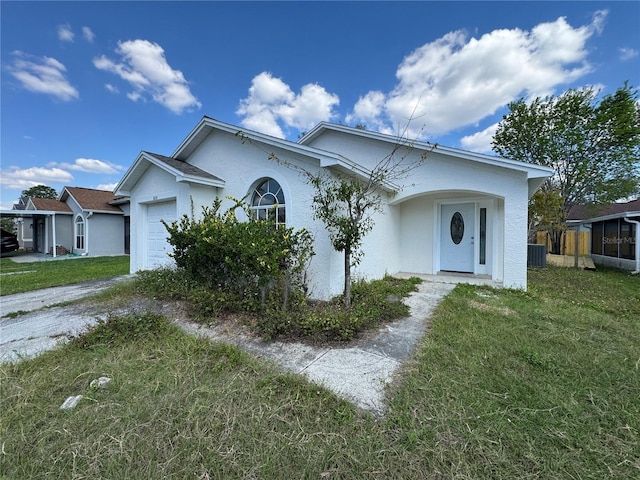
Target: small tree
(40, 191)
(593, 147)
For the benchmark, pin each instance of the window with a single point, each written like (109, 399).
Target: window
(597, 239)
(627, 240)
(79, 232)
(611, 238)
(267, 202)
(483, 236)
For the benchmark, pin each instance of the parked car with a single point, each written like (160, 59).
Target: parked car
(9, 242)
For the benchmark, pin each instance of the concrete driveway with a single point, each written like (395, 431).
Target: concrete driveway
(358, 372)
(39, 326)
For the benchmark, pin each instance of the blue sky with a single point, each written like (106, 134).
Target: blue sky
(85, 86)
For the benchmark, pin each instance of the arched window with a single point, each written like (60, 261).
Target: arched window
(79, 232)
(267, 201)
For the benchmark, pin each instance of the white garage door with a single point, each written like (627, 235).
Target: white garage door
(158, 248)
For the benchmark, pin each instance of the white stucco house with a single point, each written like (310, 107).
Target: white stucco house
(457, 212)
(83, 221)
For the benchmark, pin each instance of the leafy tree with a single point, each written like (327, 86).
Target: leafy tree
(40, 191)
(594, 149)
(8, 224)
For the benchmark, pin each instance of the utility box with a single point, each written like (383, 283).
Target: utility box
(536, 256)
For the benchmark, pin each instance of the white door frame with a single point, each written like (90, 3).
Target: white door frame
(491, 246)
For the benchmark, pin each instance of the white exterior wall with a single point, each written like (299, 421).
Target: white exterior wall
(154, 187)
(515, 239)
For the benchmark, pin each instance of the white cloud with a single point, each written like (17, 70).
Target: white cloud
(271, 102)
(65, 34)
(144, 66)
(107, 186)
(456, 81)
(89, 165)
(7, 205)
(627, 53)
(111, 88)
(480, 141)
(88, 34)
(24, 178)
(42, 75)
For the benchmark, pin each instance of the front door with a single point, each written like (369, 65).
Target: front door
(456, 237)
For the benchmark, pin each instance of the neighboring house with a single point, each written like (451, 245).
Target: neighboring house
(83, 221)
(51, 223)
(614, 232)
(458, 212)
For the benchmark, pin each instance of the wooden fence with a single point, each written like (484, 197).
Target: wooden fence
(568, 242)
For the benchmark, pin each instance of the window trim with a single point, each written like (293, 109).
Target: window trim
(80, 237)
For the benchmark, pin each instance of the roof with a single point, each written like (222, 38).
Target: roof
(605, 212)
(184, 167)
(50, 205)
(183, 171)
(89, 199)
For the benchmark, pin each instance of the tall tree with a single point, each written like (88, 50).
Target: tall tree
(40, 191)
(594, 148)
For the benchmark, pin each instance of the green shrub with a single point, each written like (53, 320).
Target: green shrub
(247, 259)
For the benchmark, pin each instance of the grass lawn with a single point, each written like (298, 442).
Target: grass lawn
(506, 384)
(24, 277)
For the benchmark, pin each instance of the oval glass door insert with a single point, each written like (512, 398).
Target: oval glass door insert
(457, 228)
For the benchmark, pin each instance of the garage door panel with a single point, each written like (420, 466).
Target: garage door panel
(158, 248)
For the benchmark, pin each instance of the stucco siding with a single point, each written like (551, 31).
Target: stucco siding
(417, 230)
(64, 232)
(515, 239)
(105, 235)
(366, 152)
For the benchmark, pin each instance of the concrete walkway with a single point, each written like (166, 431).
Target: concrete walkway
(358, 372)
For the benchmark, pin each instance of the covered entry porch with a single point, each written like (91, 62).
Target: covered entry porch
(453, 236)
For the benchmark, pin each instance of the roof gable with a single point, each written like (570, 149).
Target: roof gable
(89, 199)
(48, 204)
(183, 171)
(532, 170)
(326, 158)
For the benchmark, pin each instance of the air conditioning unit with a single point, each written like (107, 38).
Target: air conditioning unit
(536, 256)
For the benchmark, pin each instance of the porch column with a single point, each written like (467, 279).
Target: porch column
(637, 224)
(53, 227)
(515, 240)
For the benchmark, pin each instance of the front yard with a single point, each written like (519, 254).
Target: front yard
(505, 384)
(25, 277)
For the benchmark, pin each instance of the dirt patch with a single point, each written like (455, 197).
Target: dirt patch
(491, 309)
